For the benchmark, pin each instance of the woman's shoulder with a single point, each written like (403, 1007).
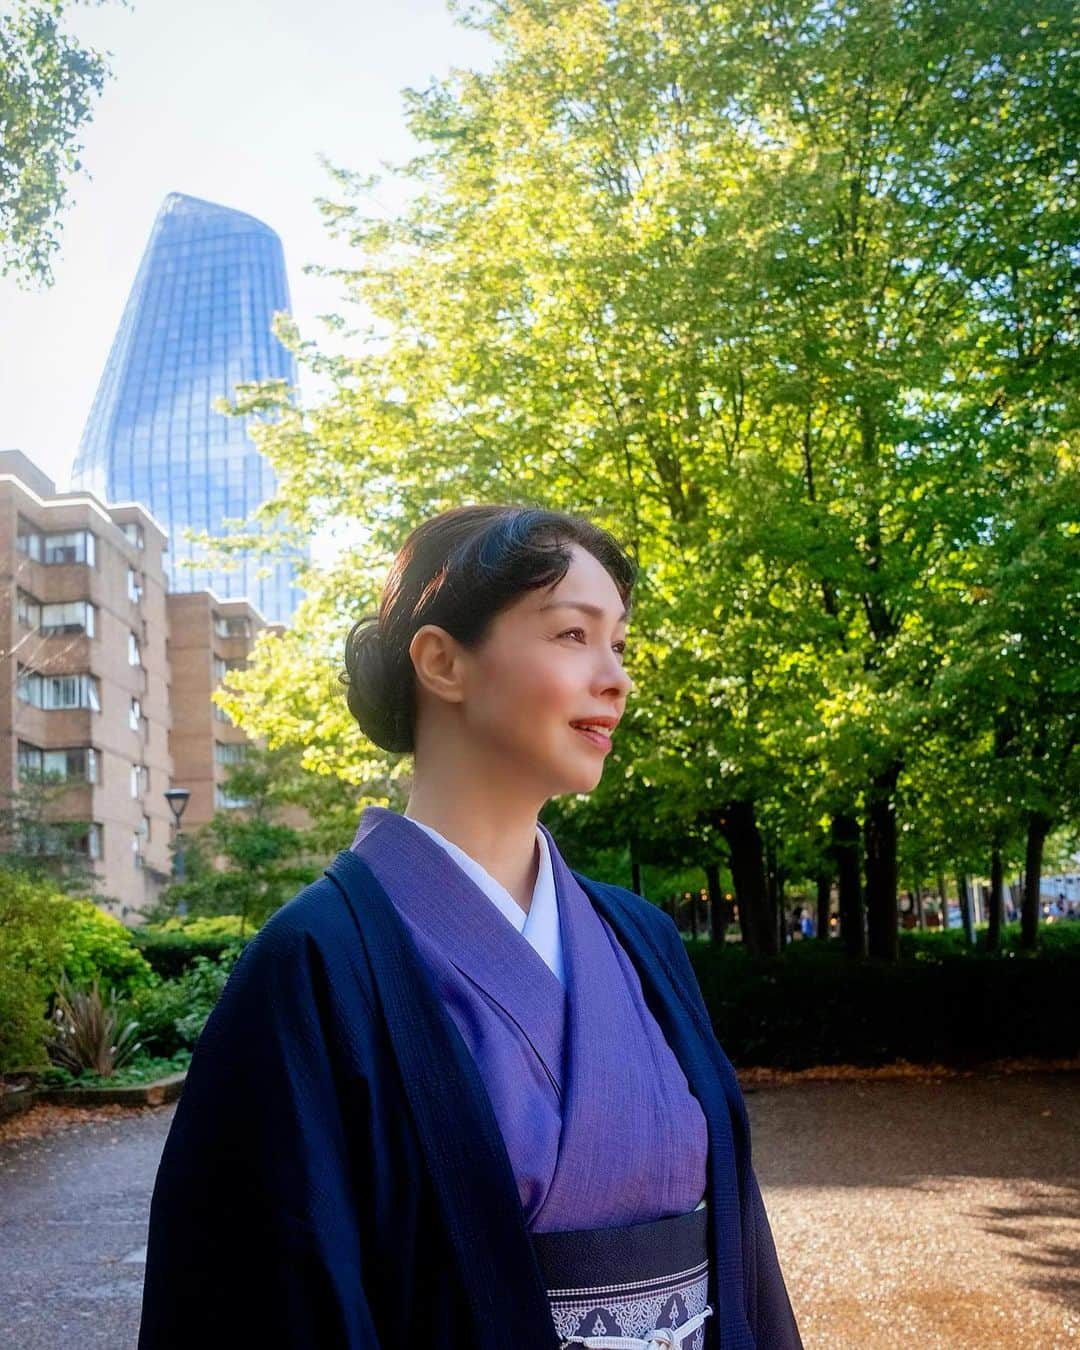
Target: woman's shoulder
(312, 938)
(317, 914)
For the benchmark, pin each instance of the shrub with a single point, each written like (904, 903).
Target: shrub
(45, 935)
(1061, 937)
(98, 946)
(88, 1033)
(31, 958)
(171, 1014)
(142, 1069)
(171, 947)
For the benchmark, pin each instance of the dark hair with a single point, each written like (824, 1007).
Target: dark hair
(459, 570)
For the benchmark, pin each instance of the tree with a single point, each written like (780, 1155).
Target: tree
(783, 294)
(48, 85)
(250, 859)
(38, 839)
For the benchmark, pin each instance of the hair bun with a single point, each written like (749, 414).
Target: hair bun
(375, 697)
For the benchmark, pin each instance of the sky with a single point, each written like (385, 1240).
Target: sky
(233, 101)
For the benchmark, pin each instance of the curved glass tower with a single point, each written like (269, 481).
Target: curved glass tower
(196, 324)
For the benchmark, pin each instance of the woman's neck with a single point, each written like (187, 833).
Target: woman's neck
(502, 840)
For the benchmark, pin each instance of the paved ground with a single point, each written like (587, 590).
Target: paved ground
(926, 1214)
(916, 1214)
(73, 1211)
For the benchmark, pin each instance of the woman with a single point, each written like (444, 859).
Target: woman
(456, 1094)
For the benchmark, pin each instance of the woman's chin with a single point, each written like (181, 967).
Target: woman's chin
(584, 780)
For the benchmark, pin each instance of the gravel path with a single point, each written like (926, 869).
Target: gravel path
(926, 1214)
(919, 1213)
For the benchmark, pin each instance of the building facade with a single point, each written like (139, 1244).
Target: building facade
(208, 637)
(106, 680)
(197, 323)
(84, 682)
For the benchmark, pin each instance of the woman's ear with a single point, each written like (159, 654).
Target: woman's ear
(436, 658)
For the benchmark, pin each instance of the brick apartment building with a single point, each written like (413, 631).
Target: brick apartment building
(207, 638)
(106, 680)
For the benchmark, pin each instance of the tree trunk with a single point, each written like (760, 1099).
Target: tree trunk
(916, 902)
(772, 887)
(717, 916)
(997, 898)
(738, 825)
(963, 892)
(1038, 829)
(694, 915)
(844, 846)
(635, 870)
(824, 894)
(880, 834)
(941, 889)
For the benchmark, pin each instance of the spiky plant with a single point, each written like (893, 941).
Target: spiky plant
(88, 1033)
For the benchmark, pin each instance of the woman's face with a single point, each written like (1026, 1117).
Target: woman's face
(553, 659)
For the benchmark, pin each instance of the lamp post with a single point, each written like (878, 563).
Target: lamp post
(177, 797)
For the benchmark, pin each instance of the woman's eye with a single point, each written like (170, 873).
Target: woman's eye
(620, 647)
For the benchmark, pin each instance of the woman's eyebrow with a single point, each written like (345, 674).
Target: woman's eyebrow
(584, 606)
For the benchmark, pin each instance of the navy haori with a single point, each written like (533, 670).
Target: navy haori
(336, 1175)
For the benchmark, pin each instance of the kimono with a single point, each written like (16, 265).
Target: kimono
(394, 1092)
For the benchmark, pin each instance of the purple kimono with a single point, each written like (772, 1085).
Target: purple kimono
(597, 1116)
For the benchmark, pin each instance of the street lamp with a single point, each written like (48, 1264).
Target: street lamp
(177, 797)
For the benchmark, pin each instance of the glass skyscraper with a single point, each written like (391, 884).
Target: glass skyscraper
(196, 324)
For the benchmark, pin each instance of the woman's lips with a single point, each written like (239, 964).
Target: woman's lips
(597, 738)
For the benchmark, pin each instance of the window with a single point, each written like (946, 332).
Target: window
(223, 665)
(135, 714)
(229, 752)
(134, 585)
(28, 686)
(231, 626)
(28, 540)
(140, 780)
(28, 610)
(136, 848)
(58, 691)
(29, 760)
(92, 842)
(134, 659)
(226, 801)
(76, 546)
(73, 616)
(220, 715)
(78, 763)
(134, 533)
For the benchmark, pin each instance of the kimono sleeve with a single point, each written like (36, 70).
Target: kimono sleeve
(258, 1210)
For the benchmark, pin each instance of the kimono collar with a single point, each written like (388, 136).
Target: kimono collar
(540, 926)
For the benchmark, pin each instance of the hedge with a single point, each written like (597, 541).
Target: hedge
(172, 947)
(813, 1005)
